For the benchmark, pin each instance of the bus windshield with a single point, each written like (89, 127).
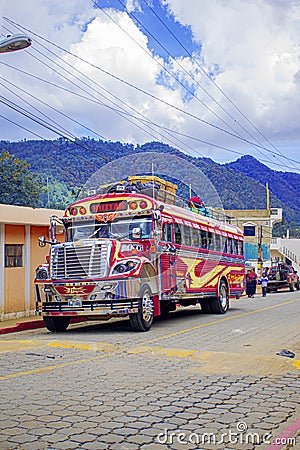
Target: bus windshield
(134, 228)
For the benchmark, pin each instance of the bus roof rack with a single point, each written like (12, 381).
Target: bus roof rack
(161, 190)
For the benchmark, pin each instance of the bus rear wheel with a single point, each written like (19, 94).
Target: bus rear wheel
(143, 319)
(56, 324)
(220, 304)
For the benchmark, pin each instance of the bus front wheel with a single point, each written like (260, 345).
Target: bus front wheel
(56, 324)
(220, 304)
(143, 319)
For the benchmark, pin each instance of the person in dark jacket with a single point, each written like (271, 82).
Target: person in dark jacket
(251, 283)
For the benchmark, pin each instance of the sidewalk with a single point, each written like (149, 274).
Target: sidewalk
(21, 324)
(27, 323)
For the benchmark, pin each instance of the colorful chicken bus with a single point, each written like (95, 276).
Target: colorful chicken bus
(128, 253)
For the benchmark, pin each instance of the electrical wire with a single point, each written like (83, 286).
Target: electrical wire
(156, 124)
(211, 79)
(146, 121)
(133, 16)
(142, 90)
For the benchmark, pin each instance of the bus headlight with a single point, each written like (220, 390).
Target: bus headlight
(42, 273)
(125, 266)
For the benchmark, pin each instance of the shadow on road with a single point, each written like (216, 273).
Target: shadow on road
(123, 326)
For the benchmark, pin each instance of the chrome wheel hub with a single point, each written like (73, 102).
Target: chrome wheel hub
(147, 306)
(223, 297)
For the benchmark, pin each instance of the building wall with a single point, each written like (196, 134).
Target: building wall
(14, 276)
(259, 244)
(21, 225)
(286, 250)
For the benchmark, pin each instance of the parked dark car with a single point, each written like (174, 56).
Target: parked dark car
(281, 276)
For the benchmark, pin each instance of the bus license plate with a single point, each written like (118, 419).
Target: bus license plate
(75, 302)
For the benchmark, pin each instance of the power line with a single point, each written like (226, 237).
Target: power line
(146, 121)
(182, 68)
(122, 113)
(145, 92)
(212, 80)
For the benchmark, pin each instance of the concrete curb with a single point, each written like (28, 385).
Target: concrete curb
(30, 325)
(23, 326)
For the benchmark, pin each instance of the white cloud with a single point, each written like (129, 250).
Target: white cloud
(256, 48)
(252, 48)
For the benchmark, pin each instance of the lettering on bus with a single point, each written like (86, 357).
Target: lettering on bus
(106, 207)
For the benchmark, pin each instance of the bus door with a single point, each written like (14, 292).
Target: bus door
(168, 260)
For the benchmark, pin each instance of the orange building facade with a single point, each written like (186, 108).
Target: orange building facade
(20, 254)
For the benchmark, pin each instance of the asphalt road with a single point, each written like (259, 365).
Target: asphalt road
(193, 381)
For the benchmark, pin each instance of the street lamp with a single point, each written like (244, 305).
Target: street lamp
(14, 42)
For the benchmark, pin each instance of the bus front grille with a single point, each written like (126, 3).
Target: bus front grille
(69, 261)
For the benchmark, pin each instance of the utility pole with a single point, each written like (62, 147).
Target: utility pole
(259, 259)
(268, 196)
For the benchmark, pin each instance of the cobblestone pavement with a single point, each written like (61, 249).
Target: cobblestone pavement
(195, 381)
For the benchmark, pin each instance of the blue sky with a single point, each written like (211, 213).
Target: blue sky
(116, 82)
(153, 27)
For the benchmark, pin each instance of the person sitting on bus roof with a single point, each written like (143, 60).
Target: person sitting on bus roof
(196, 205)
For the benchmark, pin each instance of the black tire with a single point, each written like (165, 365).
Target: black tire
(297, 286)
(56, 324)
(292, 287)
(205, 306)
(143, 319)
(220, 304)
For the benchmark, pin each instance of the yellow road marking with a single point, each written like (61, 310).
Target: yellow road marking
(225, 319)
(111, 348)
(223, 362)
(10, 345)
(48, 368)
(93, 346)
(297, 364)
(173, 352)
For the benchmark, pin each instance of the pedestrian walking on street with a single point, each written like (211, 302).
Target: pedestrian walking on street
(264, 283)
(251, 283)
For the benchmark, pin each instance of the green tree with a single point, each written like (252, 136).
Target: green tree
(18, 185)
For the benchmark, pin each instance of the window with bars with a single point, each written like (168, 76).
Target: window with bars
(13, 255)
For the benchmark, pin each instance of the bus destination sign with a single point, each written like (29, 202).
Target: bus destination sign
(106, 207)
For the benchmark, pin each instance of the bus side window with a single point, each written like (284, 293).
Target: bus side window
(218, 243)
(235, 247)
(210, 243)
(167, 232)
(241, 248)
(195, 237)
(229, 245)
(187, 235)
(226, 245)
(177, 233)
(203, 239)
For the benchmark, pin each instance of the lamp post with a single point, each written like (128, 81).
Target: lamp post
(14, 42)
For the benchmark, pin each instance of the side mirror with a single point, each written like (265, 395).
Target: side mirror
(42, 241)
(157, 215)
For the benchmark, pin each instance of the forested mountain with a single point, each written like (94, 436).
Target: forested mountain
(65, 166)
(285, 185)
